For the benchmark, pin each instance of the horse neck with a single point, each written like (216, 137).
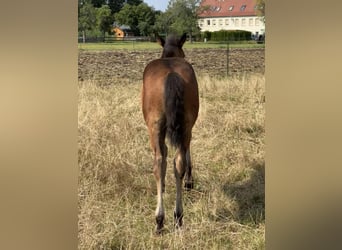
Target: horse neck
(172, 51)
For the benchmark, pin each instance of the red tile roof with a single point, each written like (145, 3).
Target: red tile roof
(223, 8)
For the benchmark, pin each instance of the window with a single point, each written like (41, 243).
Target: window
(256, 21)
(220, 22)
(231, 8)
(237, 23)
(214, 22)
(250, 22)
(215, 8)
(208, 22)
(243, 7)
(243, 22)
(227, 21)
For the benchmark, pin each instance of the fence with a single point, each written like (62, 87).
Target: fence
(112, 39)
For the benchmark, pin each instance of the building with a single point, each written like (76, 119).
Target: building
(122, 31)
(231, 15)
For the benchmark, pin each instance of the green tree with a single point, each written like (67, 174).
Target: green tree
(104, 19)
(98, 3)
(117, 5)
(261, 8)
(181, 17)
(140, 18)
(86, 18)
(163, 23)
(146, 18)
(126, 16)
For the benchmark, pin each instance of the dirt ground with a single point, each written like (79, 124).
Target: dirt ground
(109, 67)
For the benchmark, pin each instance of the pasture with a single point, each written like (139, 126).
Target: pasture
(117, 190)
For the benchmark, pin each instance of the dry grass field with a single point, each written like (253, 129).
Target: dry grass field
(117, 191)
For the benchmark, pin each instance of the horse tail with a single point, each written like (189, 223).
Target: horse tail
(174, 108)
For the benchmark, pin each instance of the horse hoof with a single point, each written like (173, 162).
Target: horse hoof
(188, 185)
(160, 224)
(178, 220)
(178, 223)
(159, 231)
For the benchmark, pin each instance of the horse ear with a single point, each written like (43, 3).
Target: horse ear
(182, 40)
(160, 41)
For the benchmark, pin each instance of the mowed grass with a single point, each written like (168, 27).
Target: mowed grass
(129, 45)
(117, 190)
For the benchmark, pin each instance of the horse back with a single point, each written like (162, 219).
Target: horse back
(154, 77)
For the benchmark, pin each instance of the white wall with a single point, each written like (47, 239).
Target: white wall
(252, 23)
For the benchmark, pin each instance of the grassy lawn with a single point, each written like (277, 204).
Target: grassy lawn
(150, 45)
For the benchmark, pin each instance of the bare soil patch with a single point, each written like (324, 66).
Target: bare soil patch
(110, 67)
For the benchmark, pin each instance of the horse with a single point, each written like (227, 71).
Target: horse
(170, 106)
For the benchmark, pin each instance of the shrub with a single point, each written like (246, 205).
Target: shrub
(227, 35)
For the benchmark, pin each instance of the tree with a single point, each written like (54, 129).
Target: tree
(140, 18)
(104, 19)
(261, 9)
(163, 23)
(117, 5)
(146, 18)
(86, 18)
(126, 16)
(180, 17)
(98, 3)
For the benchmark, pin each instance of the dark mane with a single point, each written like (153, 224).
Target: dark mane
(172, 40)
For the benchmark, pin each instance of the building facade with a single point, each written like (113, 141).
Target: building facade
(122, 31)
(231, 15)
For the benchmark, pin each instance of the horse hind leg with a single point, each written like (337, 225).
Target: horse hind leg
(163, 151)
(189, 182)
(163, 165)
(159, 170)
(179, 171)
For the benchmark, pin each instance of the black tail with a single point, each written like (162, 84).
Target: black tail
(174, 108)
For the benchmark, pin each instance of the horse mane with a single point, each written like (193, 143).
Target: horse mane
(172, 40)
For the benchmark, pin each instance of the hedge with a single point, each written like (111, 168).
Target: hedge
(227, 35)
